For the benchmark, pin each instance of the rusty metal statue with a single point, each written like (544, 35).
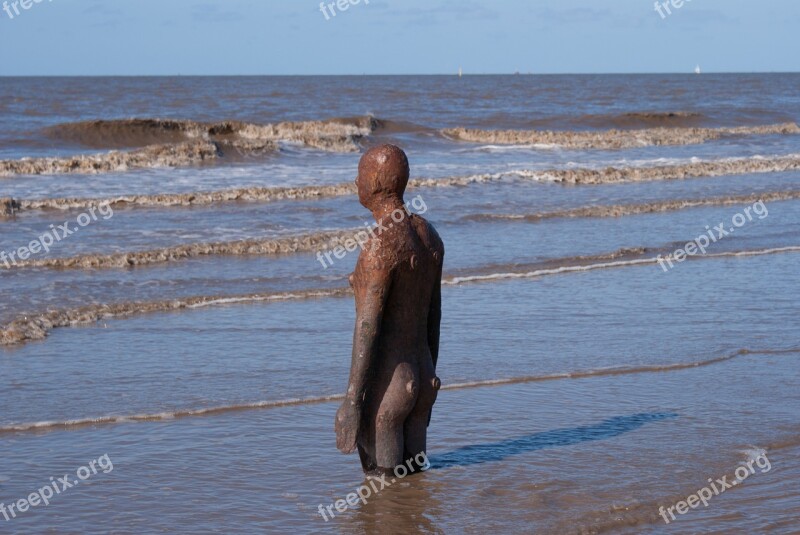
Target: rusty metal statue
(397, 285)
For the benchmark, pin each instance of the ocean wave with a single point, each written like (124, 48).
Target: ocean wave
(316, 400)
(181, 154)
(613, 139)
(200, 198)
(639, 513)
(695, 169)
(621, 210)
(299, 243)
(125, 133)
(37, 326)
(161, 416)
(390, 127)
(291, 244)
(630, 120)
(577, 176)
(8, 207)
(618, 370)
(661, 116)
(588, 265)
(174, 143)
(791, 442)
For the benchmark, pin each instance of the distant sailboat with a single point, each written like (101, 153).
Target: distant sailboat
(697, 70)
(460, 72)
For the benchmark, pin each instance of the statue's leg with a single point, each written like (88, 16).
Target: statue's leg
(367, 456)
(396, 405)
(366, 436)
(416, 426)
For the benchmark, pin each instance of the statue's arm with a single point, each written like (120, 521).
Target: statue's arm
(435, 312)
(435, 319)
(369, 315)
(371, 291)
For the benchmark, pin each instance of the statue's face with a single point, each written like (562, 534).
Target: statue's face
(363, 183)
(370, 166)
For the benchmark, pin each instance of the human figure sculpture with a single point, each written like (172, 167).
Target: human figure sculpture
(397, 286)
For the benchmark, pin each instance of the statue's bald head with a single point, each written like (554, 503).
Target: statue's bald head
(382, 175)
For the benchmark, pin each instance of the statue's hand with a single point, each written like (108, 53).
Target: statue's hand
(347, 423)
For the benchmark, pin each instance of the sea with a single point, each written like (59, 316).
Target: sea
(621, 302)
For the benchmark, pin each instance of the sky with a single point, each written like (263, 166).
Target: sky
(271, 37)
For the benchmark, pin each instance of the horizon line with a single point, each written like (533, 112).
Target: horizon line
(692, 73)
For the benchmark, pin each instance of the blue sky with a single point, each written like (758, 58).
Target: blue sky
(165, 37)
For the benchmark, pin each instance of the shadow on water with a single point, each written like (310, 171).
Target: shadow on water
(497, 451)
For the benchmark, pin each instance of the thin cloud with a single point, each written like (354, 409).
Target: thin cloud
(574, 15)
(460, 10)
(213, 13)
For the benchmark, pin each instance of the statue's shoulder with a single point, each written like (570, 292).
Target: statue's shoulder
(376, 254)
(427, 233)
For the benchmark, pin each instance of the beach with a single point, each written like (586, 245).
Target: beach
(620, 316)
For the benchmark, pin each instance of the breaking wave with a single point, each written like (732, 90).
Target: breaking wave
(251, 194)
(715, 168)
(333, 134)
(613, 139)
(592, 266)
(620, 210)
(181, 154)
(173, 143)
(37, 327)
(291, 244)
(622, 121)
